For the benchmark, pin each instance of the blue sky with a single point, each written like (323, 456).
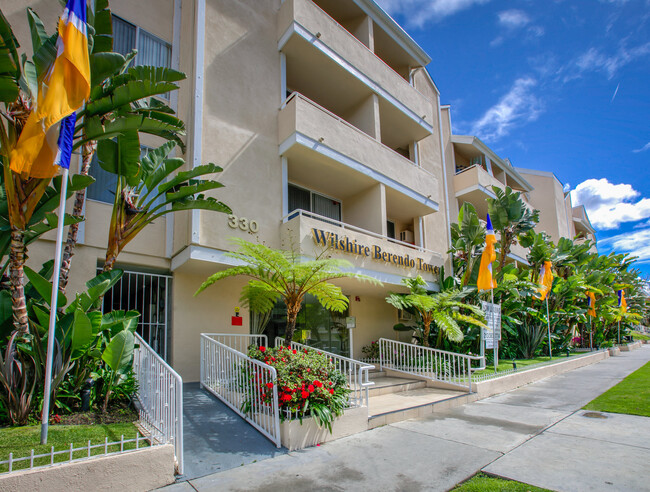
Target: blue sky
(556, 85)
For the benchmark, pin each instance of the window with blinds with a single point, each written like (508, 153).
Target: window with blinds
(310, 201)
(152, 51)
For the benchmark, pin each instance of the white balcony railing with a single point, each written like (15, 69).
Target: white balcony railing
(349, 227)
(356, 372)
(160, 398)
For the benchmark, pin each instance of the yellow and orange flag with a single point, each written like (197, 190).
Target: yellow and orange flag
(47, 137)
(485, 280)
(591, 297)
(545, 280)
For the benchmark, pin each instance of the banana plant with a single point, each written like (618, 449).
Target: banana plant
(468, 238)
(148, 189)
(510, 218)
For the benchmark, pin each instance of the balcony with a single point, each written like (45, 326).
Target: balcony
(306, 33)
(332, 156)
(474, 185)
(382, 257)
(582, 224)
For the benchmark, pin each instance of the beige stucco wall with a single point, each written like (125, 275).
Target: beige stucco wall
(142, 470)
(375, 319)
(430, 159)
(548, 197)
(367, 209)
(241, 99)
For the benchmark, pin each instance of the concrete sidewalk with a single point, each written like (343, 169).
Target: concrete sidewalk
(536, 434)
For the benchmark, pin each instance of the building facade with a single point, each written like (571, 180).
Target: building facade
(330, 133)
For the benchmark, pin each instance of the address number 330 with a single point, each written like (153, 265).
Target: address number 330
(243, 223)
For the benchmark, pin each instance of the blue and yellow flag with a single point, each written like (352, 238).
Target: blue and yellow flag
(545, 280)
(591, 303)
(47, 137)
(485, 280)
(622, 303)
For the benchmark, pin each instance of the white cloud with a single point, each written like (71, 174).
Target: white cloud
(594, 60)
(513, 18)
(418, 12)
(637, 243)
(520, 105)
(642, 149)
(609, 205)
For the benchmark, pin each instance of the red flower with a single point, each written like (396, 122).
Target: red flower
(305, 394)
(306, 351)
(273, 359)
(331, 391)
(269, 385)
(311, 388)
(286, 397)
(330, 383)
(318, 384)
(295, 351)
(262, 349)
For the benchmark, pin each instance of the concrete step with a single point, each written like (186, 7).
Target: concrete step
(394, 407)
(386, 385)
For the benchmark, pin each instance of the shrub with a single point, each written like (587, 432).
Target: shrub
(371, 351)
(308, 384)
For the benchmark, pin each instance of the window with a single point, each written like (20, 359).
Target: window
(310, 201)
(151, 49)
(390, 229)
(150, 295)
(103, 189)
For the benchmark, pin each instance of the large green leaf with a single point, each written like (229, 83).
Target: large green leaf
(120, 156)
(128, 93)
(162, 172)
(102, 66)
(100, 19)
(45, 56)
(37, 29)
(82, 332)
(9, 60)
(96, 287)
(8, 88)
(96, 130)
(44, 287)
(124, 320)
(184, 176)
(119, 353)
(202, 204)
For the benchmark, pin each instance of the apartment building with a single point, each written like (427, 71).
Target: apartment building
(331, 135)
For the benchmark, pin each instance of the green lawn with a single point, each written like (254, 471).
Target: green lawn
(631, 396)
(485, 483)
(21, 440)
(637, 335)
(506, 364)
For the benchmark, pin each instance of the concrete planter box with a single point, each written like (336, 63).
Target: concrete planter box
(614, 351)
(630, 346)
(512, 381)
(295, 436)
(141, 470)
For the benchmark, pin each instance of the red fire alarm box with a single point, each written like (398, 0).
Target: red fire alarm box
(237, 320)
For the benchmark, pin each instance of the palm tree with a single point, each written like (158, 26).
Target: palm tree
(279, 274)
(442, 309)
(510, 217)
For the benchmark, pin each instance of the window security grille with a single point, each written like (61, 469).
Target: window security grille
(150, 295)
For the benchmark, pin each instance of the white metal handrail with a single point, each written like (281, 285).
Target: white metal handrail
(246, 385)
(438, 365)
(239, 342)
(343, 225)
(160, 398)
(357, 372)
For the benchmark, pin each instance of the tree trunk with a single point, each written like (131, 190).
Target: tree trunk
(292, 315)
(17, 259)
(79, 200)
(505, 249)
(427, 331)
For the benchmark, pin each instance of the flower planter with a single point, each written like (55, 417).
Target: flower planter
(614, 351)
(295, 436)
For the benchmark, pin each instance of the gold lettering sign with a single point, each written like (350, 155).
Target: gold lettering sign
(343, 244)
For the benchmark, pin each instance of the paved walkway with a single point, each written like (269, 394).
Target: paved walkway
(216, 438)
(536, 434)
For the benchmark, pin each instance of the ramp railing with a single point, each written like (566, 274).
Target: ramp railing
(356, 372)
(437, 365)
(246, 385)
(160, 398)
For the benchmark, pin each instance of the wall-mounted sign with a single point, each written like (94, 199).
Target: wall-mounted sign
(351, 322)
(343, 244)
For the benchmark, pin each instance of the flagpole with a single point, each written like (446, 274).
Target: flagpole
(53, 307)
(495, 350)
(591, 345)
(619, 331)
(548, 321)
